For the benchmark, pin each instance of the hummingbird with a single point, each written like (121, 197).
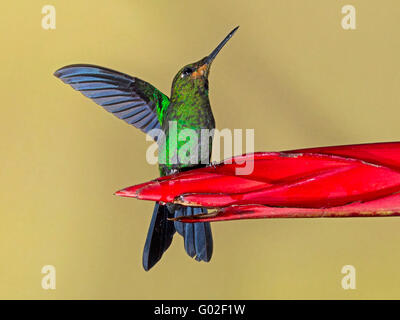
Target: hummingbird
(140, 104)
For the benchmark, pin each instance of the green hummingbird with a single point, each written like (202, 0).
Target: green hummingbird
(140, 104)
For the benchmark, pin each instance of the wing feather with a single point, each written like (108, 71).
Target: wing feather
(133, 100)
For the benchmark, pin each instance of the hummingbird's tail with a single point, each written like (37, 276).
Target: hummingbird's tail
(197, 236)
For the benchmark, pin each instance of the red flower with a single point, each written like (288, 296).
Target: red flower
(341, 181)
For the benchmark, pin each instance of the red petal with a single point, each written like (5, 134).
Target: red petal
(332, 187)
(384, 154)
(387, 206)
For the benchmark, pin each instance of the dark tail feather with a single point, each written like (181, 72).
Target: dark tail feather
(203, 239)
(197, 236)
(159, 236)
(179, 226)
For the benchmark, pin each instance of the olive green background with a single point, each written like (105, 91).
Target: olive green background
(291, 72)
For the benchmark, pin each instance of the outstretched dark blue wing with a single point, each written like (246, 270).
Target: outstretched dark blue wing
(130, 99)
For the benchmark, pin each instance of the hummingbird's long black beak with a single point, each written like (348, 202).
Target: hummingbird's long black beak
(213, 54)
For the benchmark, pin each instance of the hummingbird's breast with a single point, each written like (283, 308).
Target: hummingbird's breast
(188, 126)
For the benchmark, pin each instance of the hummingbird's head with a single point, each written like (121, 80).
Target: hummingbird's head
(195, 75)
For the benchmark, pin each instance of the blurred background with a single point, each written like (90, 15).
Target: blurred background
(291, 73)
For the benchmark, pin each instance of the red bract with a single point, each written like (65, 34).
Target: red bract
(355, 180)
(386, 206)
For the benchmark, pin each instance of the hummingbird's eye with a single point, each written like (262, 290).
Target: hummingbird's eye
(187, 71)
